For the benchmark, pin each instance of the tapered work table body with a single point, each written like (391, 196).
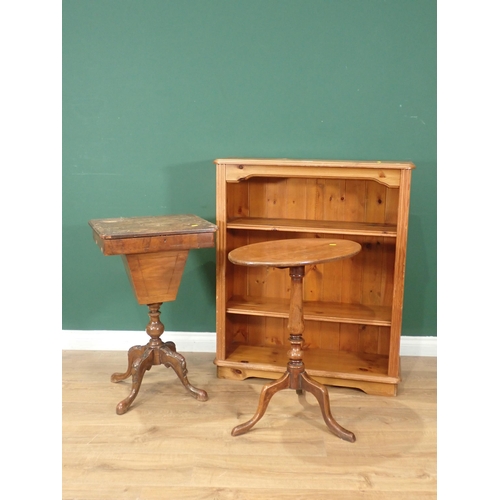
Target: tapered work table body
(154, 250)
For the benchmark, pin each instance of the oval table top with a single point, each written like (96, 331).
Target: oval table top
(293, 252)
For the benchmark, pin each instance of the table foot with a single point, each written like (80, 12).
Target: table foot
(268, 391)
(321, 393)
(171, 358)
(139, 367)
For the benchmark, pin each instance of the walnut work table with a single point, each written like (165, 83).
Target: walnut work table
(295, 254)
(154, 251)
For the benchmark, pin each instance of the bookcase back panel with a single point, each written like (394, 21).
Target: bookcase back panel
(366, 278)
(268, 332)
(348, 200)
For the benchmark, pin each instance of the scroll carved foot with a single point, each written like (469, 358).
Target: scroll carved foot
(268, 391)
(139, 367)
(321, 394)
(171, 358)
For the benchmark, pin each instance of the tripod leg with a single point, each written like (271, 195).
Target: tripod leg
(139, 367)
(133, 353)
(268, 391)
(321, 394)
(170, 345)
(176, 361)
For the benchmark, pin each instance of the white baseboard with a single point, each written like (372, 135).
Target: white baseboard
(418, 346)
(106, 340)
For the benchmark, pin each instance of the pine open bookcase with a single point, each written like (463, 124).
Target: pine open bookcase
(353, 307)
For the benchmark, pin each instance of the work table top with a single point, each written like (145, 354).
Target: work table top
(158, 225)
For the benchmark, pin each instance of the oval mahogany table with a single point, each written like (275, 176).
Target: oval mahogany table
(295, 254)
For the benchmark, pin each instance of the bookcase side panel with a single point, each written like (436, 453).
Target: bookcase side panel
(399, 272)
(221, 259)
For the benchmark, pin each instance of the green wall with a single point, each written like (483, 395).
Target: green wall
(155, 90)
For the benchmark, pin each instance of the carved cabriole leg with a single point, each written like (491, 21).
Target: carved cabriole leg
(170, 345)
(141, 358)
(133, 353)
(176, 361)
(139, 367)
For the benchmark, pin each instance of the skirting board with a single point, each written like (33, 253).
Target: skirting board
(91, 340)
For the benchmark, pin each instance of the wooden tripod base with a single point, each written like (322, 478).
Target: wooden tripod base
(156, 352)
(296, 378)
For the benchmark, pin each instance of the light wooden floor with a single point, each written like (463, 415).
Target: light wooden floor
(170, 446)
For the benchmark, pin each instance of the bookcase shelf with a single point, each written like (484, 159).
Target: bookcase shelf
(352, 308)
(313, 226)
(313, 310)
